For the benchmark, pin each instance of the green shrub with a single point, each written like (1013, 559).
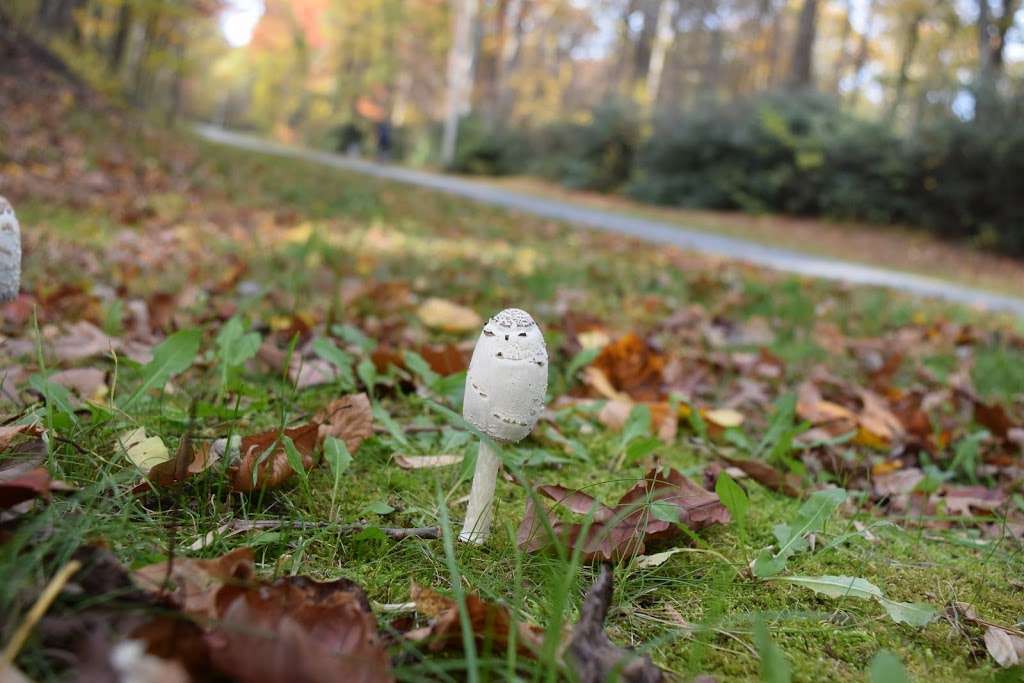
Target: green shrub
(487, 150)
(800, 154)
(597, 155)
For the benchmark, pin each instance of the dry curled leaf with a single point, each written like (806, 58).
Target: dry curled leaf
(491, 624)
(191, 584)
(297, 629)
(632, 367)
(416, 462)
(349, 418)
(650, 511)
(768, 476)
(264, 462)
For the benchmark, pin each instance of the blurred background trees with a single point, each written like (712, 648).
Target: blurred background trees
(883, 110)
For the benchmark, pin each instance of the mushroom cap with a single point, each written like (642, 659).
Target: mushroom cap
(10, 252)
(507, 377)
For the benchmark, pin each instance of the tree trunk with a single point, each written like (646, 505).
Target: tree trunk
(910, 46)
(460, 72)
(115, 57)
(664, 35)
(801, 74)
(841, 59)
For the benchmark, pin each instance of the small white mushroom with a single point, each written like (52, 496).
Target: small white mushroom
(10, 252)
(505, 387)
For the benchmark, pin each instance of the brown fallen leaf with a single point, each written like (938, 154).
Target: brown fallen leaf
(622, 530)
(969, 500)
(264, 462)
(187, 461)
(416, 462)
(491, 625)
(615, 413)
(632, 367)
(448, 316)
(83, 340)
(994, 418)
(1004, 647)
(896, 482)
(349, 418)
(297, 629)
(88, 383)
(24, 485)
(192, 585)
(8, 433)
(878, 427)
(766, 475)
(593, 657)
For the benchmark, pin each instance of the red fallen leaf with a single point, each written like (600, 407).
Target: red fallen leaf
(491, 625)
(296, 629)
(768, 476)
(595, 658)
(349, 418)
(994, 418)
(623, 530)
(192, 585)
(34, 483)
(264, 460)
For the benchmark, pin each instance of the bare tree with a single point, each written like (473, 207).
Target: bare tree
(906, 59)
(664, 35)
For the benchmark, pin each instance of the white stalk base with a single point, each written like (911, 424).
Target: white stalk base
(480, 510)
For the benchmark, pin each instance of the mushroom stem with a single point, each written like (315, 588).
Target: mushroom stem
(481, 496)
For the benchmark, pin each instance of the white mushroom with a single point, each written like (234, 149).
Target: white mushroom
(10, 252)
(505, 387)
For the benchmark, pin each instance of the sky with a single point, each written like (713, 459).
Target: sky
(239, 19)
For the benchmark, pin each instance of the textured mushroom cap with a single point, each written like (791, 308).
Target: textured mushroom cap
(10, 252)
(507, 378)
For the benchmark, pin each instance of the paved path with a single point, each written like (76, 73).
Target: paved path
(649, 230)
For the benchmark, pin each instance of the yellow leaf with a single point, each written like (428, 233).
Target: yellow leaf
(145, 452)
(448, 316)
(724, 417)
(599, 381)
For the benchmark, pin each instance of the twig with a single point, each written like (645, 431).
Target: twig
(42, 604)
(398, 533)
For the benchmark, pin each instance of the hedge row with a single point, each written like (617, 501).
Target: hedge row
(792, 154)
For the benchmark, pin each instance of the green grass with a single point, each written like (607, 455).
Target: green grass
(313, 227)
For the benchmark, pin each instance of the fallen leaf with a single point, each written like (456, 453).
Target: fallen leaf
(651, 510)
(88, 383)
(349, 418)
(632, 367)
(416, 462)
(441, 314)
(8, 433)
(491, 625)
(144, 452)
(264, 459)
(1004, 647)
(188, 460)
(767, 476)
(593, 656)
(897, 482)
(297, 629)
(191, 584)
(83, 340)
(19, 486)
